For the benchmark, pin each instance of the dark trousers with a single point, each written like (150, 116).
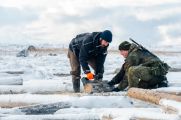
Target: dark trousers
(76, 69)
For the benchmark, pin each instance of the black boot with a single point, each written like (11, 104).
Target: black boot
(76, 85)
(110, 83)
(163, 82)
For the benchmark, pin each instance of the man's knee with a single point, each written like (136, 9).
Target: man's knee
(132, 71)
(133, 76)
(75, 74)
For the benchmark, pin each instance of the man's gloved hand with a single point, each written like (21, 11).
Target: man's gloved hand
(98, 77)
(116, 89)
(90, 76)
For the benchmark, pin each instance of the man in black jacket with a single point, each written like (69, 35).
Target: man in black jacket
(88, 49)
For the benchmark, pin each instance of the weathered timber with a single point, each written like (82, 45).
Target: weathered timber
(44, 108)
(151, 96)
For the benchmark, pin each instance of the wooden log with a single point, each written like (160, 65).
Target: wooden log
(44, 108)
(95, 114)
(151, 96)
(15, 72)
(85, 116)
(171, 107)
(11, 81)
(175, 91)
(95, 86)
(14, 104)
(37, 87)
(156, 98)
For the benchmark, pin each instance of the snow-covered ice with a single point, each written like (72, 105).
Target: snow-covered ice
(46, 79)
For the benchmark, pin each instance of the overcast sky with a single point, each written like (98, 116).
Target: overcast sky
(150, 22)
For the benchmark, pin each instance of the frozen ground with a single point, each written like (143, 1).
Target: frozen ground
(46, 80)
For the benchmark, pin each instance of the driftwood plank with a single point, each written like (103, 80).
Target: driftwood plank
(158, 98)
(44, 108)
(151, 96)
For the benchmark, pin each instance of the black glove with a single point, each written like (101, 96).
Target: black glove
(98, 77)
(116, 89)
(110, 83)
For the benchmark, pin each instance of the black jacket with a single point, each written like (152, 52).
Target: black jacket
(86, 46)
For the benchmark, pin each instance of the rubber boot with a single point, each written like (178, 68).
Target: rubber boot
(76, 85)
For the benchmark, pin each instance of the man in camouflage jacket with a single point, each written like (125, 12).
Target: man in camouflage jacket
(141, 69)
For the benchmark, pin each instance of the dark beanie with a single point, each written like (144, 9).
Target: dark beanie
(124, 45)
(106, 35)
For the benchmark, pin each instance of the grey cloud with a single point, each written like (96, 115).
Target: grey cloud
(123, 18)
(164, 6)
(94, 14)
(15, 16)
(175, 33)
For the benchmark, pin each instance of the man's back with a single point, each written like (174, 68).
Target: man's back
(85, 50)
(137, 56)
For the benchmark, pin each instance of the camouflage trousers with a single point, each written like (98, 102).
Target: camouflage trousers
(76, 69)
(141, 76)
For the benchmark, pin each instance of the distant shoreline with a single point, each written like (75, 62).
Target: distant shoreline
(60, 50)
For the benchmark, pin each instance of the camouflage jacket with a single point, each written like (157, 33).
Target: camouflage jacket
(136, 56)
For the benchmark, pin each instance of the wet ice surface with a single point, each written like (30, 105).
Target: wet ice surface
(45, 74)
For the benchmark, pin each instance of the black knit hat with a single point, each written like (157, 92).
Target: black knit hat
(106, 35)
(124, 45)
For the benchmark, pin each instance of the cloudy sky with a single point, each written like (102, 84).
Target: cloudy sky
(151, 22)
